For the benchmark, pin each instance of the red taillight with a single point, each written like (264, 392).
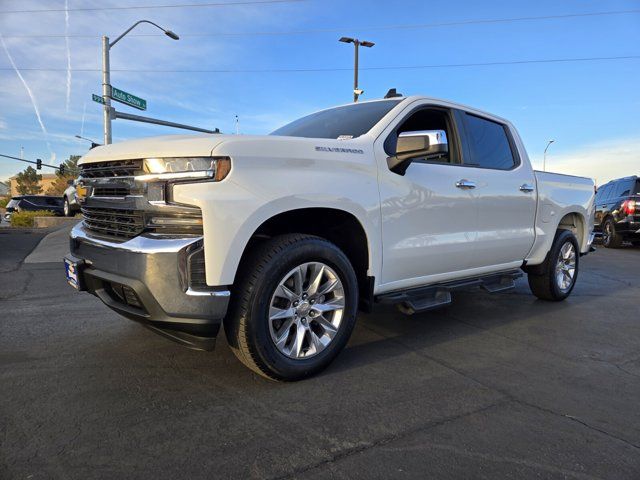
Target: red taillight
(629, 207)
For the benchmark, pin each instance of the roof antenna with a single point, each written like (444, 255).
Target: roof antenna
(392, 93)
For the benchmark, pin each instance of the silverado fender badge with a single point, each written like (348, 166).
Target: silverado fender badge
(339, 150)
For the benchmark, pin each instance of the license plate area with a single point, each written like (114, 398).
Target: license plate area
(73, 272)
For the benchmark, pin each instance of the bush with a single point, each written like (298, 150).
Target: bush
(25, 219)
(4, 201)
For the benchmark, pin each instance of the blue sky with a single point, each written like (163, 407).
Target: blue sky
(589, 108)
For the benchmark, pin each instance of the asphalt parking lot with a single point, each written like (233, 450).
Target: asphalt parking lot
(494, 386)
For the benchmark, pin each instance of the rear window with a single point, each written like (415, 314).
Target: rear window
(489, 145)
(349, 121)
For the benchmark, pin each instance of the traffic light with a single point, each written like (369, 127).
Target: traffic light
(39, 164)
(62, 169)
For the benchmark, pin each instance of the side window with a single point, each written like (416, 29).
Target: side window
(427, 119)
(489, 145)
(603, 192)
(624, 187)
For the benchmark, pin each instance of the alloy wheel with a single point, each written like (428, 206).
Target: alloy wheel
(306, 310)
(566, 267)
(607, 233)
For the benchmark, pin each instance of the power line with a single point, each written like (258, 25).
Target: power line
(148, 7)
(355, 28)
(341, 69)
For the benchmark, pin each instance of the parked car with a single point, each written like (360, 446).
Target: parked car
(284, 236)
(29, 203)
(618, 212)
(71, 206)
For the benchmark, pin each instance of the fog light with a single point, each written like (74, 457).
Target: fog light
(177, 221)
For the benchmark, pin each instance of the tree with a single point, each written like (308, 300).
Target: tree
(61, 182)
(29, 182)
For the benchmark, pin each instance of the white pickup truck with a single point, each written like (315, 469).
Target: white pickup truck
(284, 237)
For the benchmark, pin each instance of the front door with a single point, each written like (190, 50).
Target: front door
(429, 219)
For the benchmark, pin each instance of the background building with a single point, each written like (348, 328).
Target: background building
(45, 183)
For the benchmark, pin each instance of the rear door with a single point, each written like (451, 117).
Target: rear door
(504, 192)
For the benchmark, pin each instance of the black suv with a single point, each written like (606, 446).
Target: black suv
(27, 203)
(618, 211)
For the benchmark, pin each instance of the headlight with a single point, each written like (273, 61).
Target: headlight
(185, 168)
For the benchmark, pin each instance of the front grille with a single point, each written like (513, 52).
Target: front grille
(110, 191)
(120, 168)
(114, 222)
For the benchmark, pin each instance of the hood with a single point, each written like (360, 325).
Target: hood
(219, 144)
(164, 146)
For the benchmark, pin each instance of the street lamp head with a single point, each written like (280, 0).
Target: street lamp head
(347, 40)
(171, 34)
(367, 44)
(551, 141)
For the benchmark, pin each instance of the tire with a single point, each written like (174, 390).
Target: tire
(610, 238)
(259, 318)
(548, 284)
(67, 208)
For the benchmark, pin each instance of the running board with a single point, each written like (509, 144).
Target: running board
(420, 299)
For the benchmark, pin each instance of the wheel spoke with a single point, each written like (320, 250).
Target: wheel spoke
(315, 342)
(276, 313)
(317, 272)
(285, 330)
(298, 341)
(333, 304)
(329, 328)
(299, 276)
(285, 292)
(328, 287)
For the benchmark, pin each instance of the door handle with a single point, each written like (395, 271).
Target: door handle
(525, 187)
(465, 184)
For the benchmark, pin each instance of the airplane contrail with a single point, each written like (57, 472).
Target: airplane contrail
(30, 93)
(66, 41)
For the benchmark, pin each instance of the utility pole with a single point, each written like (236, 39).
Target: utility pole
(237, 125)
(356, 43)
(106, 90)
(106, 75)
(544, 160)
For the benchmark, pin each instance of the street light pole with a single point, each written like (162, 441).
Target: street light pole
(106, 90)
(356, 44)
(106, 74)
(544, 159)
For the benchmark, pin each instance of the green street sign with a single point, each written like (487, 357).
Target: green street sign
(128, 99)
(97, 98)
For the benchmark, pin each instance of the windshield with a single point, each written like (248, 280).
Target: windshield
(13, 203)
(349, 121)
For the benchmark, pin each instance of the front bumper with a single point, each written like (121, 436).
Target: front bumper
(146, 279)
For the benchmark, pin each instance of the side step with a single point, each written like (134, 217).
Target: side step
(420, 299)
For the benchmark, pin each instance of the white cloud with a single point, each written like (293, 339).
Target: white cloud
(602, 161)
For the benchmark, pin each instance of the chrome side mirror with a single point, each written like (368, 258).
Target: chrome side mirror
(419, 144)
